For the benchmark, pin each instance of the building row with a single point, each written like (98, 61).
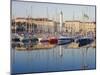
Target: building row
(46, 25)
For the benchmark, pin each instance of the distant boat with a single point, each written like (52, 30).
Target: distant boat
(16, 39)
(26, 41)
(84, 41)
(53, 40)
(34, 40)
(30, 41)
(15, 42)
(65, 40)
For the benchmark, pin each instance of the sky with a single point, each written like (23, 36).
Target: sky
(52, 11)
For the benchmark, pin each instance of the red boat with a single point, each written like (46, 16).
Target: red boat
(53, 40)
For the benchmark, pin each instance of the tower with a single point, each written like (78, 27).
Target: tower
(61, 21)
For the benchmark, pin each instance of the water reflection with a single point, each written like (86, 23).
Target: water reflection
(56, 59)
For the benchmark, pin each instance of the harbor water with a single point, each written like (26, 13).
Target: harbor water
(59, 58)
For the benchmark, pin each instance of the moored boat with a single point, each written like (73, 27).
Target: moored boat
(15, 42)
(53, 40)
(84, 41)
(34, 40)
(65, 40)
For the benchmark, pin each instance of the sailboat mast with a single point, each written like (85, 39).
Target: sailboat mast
(47, 19)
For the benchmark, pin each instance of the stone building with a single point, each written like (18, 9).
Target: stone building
(88, 26)
(77, 26)
(72, 26)
(36, 24)
(41, 25)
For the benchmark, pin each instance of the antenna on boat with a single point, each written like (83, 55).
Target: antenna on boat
(54, 19)
(31, 21)
(47, 18)
(26, 22)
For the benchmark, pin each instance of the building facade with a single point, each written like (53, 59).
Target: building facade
(43, 25)
(77, 26)
(72, 26)
(35, 25)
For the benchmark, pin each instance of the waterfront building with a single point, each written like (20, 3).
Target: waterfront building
(88, 27)
(45, 25)
(80, 27)
(72, 26)
(36, 24)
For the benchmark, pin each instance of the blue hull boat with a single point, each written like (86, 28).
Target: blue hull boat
(84, 41)
(65, 40)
